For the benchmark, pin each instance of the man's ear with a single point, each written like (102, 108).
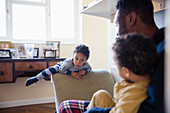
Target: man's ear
(132, 17)
(126, 72)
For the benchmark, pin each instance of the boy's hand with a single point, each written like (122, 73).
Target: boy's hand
(82, 72)
(76, 75)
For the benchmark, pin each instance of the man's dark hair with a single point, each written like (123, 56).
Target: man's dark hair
(135, 52)
(143, 8)
(82, 49)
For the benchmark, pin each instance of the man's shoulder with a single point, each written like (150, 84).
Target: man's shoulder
(159, 36)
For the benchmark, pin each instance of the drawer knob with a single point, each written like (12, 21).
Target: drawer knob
(31, 67)
(2, 73)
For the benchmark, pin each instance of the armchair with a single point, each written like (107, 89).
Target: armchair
(69, 88)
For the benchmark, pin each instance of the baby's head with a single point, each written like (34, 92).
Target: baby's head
(81, 55)
(135, 53)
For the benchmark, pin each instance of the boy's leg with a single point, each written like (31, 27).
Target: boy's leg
(43, 74)
(101, 99)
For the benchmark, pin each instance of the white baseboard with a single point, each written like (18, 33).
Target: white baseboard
(26, 102)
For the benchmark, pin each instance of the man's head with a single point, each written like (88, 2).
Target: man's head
(133, 13)
(81, 55)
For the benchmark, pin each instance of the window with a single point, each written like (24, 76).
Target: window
(3, 18)
(65, 20)
(28, 22)
(57, 27)
(41, 20)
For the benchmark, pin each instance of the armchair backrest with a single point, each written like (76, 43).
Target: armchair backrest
(67, 87)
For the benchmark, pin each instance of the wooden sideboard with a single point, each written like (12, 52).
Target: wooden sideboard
(10, 69)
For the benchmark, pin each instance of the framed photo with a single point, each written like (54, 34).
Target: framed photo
(36, 53)
(55, 45)
(50, 54)
(43, 48)
(5, 45)
(14, 53)
(5, 54)
(40, 46)
(21, 49)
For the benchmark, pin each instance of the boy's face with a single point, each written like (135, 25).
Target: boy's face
(79, 59)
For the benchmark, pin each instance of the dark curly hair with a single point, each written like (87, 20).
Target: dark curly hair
(135, 52)
(143, 8)
(82, 49)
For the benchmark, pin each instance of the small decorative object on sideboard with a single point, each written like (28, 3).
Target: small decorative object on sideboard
(29, 49)
(5, 54)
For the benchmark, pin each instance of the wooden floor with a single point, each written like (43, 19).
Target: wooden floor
(38, 108)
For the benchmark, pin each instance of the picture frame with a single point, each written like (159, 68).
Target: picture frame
(4, 54)
(40, 46)
(43, 48)
(36, 53)
(21, 49)
(55, 45)
(14, 53)
(50, 54)
(5, 45)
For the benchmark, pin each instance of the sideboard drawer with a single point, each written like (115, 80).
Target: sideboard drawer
(6, 72)
(52, 63)
(26, 66)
